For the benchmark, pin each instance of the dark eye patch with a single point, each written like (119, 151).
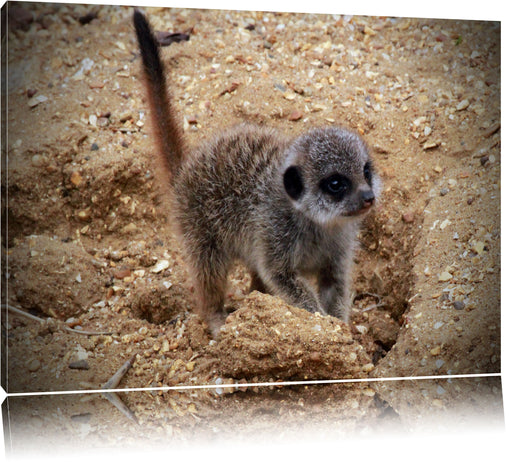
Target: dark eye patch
(336, 185)
(293, 182)
(367, 172)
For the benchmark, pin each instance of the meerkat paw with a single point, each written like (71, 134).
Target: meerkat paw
(215, 321)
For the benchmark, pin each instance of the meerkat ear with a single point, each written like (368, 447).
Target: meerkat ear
(293, 182)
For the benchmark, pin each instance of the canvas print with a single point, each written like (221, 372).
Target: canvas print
(237, 204)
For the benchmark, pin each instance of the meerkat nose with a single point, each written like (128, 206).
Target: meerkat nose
(368, 198)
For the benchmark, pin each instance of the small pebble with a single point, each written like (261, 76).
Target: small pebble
(81, 418)
(295, 115)
(430, 145)
(96, 84)
(129, 228)
(33, 365)
(435, 351)
(315, 356)
(94, 147)
(190, 366)
(478, 247)
(420, 120)
(444, 276)
(34, 101)
(491, 130)
(368, 367)
(122, 273)
(102, 122)
(464, 104)
(82, 364)
(160, 266)
(444, 224)
(369, 31)
(459, 305)
(76, 178)
(362, 329)
(408, 217)
(39, 160)
(437, 403)
(84, 215)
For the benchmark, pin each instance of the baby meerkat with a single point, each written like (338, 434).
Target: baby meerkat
(289, 209)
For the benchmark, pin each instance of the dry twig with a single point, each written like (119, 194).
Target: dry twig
(20, 312)
(369, 294)
(112, 383)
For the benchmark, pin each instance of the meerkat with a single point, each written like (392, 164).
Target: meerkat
(288, 208)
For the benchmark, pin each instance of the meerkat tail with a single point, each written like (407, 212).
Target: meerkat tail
(169, 135)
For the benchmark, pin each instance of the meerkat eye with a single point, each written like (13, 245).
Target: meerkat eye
(335, 185)
(367, 171)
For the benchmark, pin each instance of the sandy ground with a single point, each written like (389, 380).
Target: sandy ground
(86, 243)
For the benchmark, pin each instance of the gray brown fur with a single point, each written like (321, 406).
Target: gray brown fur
(272, 203)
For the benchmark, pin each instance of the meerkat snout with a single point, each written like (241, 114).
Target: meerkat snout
(368, 198)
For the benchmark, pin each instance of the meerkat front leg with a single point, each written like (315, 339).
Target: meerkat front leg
(334, 291)
(294, 289)
(257, 283)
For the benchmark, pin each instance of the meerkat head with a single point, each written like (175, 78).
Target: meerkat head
(328, 175)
